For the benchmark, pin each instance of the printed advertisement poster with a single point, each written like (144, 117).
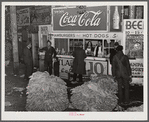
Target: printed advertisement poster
(23, 17)
(134, 38)
(137, 68)
(41, 15)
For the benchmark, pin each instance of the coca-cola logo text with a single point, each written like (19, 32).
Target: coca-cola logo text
(81, 19)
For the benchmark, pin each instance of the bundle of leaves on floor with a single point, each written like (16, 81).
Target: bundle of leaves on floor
(46, 93)
(96, 95)
(137, 109)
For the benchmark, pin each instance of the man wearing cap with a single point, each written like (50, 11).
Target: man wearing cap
(50, 53)
(28, 60)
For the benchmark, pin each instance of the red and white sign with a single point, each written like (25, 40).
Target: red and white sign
(94, 18)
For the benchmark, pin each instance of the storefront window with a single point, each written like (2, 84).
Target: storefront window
(61, 46)
(90, 46)
(44, 41)
(73, 44)
(99, 48)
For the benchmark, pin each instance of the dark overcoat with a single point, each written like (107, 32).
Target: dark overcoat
(115, 67)
(28, 60)
(49, 54)
(122, 82)
(20, 48)
(27, 56)
(78, 63)
(112, 54)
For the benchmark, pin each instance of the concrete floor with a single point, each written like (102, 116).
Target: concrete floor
(16, 98)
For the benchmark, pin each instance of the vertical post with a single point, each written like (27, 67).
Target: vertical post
(14, 39)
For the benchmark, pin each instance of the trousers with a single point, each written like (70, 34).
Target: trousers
(48, 67)
(75, 76)
(123, 90)
(28, 71)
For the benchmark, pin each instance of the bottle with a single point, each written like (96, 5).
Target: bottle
(63, 51)
(57, 50)
(116, 18)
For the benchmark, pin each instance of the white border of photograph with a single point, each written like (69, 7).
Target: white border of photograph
(85, 115)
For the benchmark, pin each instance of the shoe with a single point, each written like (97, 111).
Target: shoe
(22, 76)
(74, 82)
(124, 104)
(118, 108)
(26, 79)
(81, 82)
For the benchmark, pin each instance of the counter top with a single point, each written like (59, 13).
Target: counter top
(87, 58)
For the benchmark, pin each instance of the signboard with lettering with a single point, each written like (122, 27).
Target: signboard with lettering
(137, 68)
(23, 17)
(133, 33)
(92, 66)
(93, 18)
(118, 36)
(96, 67)
(65, 67)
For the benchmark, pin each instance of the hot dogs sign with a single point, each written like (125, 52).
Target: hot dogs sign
(94, 18)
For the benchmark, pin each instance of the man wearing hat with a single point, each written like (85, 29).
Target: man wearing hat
(28, 60)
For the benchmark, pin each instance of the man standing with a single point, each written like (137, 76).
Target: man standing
(78, 63)
(121, 71)
(20, 49)
(28, 60)
(98, 50)
(113, 51)
(50, 53)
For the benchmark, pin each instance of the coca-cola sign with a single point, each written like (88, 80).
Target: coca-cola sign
(94, 18)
